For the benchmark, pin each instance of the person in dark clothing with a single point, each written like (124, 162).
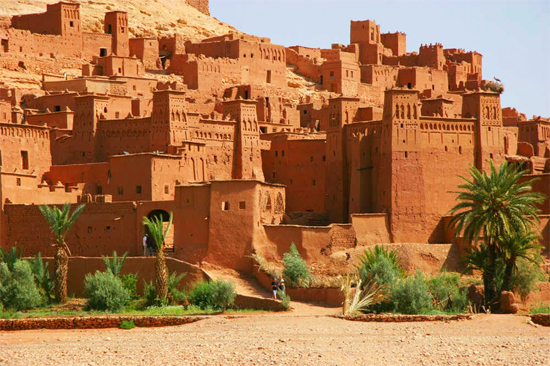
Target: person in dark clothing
(151, 246)
(274, 287)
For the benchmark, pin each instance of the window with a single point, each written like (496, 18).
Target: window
(107, 229)
(351, 72)
(305, 112)
(276, 153)
(99, 190)
(313, 183)
(0, 158)
(138, 189)
(242, 205)
(282, 153)
(347, 73)
(246, 94)
(311, 158)
(268, 77)
(225, 206)
(18, 181)
(121, 29)
(110, 29)
(57, 108)
(117, 114)
(71, 24)
(273, 174)
(120, 70)
(25, 159)
(166, 189)
(324, 158)
(332, 74)
(120, 191)
(251, 55)
(134, 87)
(102, 52)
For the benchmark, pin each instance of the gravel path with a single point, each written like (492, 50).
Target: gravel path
(288, 340)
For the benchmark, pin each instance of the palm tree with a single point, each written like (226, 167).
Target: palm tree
(492, 206)
(158, 234)
(518, 245)
(60, 223)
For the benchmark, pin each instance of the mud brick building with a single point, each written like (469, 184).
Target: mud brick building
(217, 132)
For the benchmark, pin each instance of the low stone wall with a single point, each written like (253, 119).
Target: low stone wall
(399, 318)
(89, 322)
(257, 303)
(328, 296)
(541, 319)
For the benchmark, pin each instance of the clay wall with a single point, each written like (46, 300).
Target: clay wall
(60, 19)
(24, 42)
(306, 52)
(298, 162)
(90, 176)
(431, 56)
(193, 210)
(63, 120)
(307, 66)
(5, 111)
(422, 79)
(379, 75)
(96, 45)
(57, 102)
(123, 66)
(100, 229)
(536, 133)
(397, 42)
(147, 50)
(341, 77)
(370, 228)
(115, 137)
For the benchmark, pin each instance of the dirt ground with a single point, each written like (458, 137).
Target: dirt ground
(302, 337)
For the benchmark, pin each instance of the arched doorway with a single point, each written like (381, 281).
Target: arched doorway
(165, 217)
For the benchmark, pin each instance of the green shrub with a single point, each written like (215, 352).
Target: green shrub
(216, 295)
(540, 309)
(174, 294)
(105, 291)
(10, 256)
(18, 290)
(42, 277)
(411, 295)
(115, 263)
(448, 292)
(380, 265)
(127, 324)
(129, 282)
(295, 271)
(285, 300)
(525, 278)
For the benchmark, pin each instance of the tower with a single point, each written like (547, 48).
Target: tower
(402, 192)
(116, 24)
(89, 109)
(367, 34)
(342, 111)
(484, 106)
(248, 160)
(169, 125)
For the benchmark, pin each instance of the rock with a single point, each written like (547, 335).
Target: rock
(508, 303)
(476, 295)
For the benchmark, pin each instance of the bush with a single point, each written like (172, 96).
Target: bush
(411, 295)
(285, 300)
(10, 256)
(42, 277)
(380, 265)
(127, 324)
(216, 295)
(295, 271)
(105, 291)
(448, 292)
(174, 294)
(525, 278)
(129, 282)
(18, 289)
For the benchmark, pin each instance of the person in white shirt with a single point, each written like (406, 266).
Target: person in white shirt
(145, 245)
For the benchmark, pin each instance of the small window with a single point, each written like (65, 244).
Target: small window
(122, 29)
(324, 158)
(25, 159)
(134, 87)
(291, 181)
(242, 205)
(305, 112)
(225, 206)
(273, 174)
(276, 153)
(491, 155)
(107, 229)
(0, 158)
(110, 29)
(120, 191)
(71, 23)
(313, 183)
(18, 181)
(347, 73)
(251, 55)
(117, 114)
(332, 74)
(57, 108)
(311, 158)
(282, 153)
(166, 189)
(99, 190)
(268, 77)
(90, 229)
(138, 189)
(102, 52)
(120, 70)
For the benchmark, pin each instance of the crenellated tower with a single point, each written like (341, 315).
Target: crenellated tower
(169, 123)
(116, 24)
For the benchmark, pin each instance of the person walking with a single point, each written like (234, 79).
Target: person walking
(145, 238)
(150, 246)
(282, 286)
(274, 287)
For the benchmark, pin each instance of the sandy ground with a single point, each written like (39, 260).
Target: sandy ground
(292, 339)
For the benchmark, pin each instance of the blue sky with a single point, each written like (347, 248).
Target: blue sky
(513, 36)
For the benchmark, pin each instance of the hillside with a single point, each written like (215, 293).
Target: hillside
(146, 17)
